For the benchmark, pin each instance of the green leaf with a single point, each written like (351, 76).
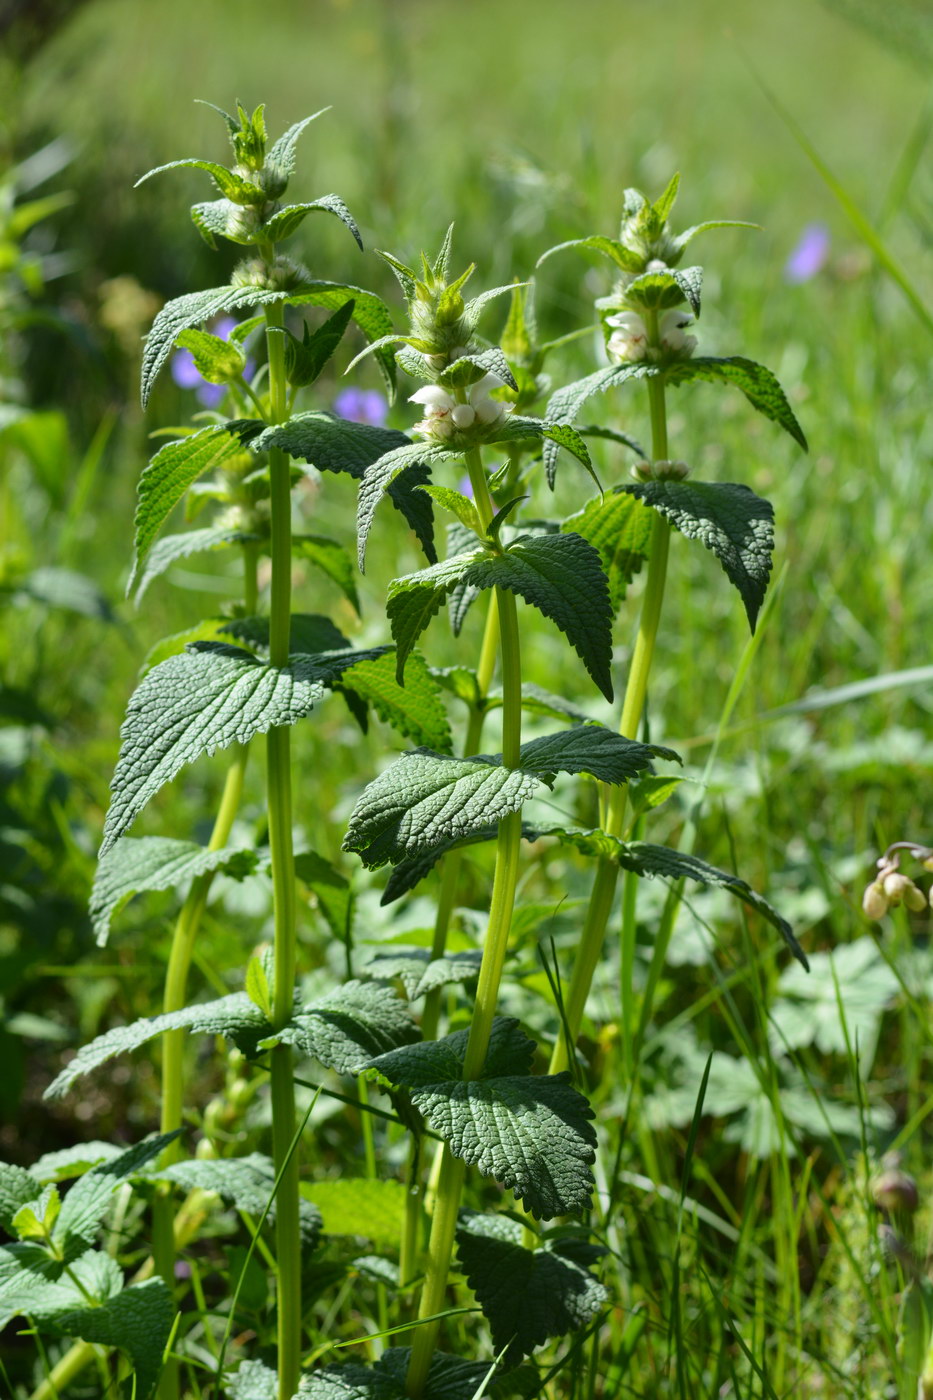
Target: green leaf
(356, 1206)
(36, 1219)
(89, 1198)
(531, 1132)
(284, 221)
(231, 186)
(309, 634)
(252, 1380)
(527, 1295)
(415, 598)
(459, 505)
(840, 1004)
(517, 428)
(306, 358)
(619, 528)
(246, 1182)
(415, 709)
(662, 206)
(18, 1188)
(665, 863)
(419, 972)
(649, 792)
(565, 404)
(469, 369)
(757, 383)
(138, 1321)
(334, 444)
(449, 1378)
(382, 474)
(65, 589)
(348, 1027)
(257, 986)
(333, 560)
(67, 1162)
(729, 519)
(590, 748)
(425, 797)
(411, 870)
(281, 157)
(477, 305)
(201, 701)
(155, 863)
(623, 257)
(332, 890)
(656, 291)
(682, 239)
(174, 468)
(234, 1017)
(216, 360)
(171, 548)
(369, 312)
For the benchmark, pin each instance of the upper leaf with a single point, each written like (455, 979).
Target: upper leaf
(155, 863)
(232, 186)
(590, 748)
(624, 258)
(380, 477)
(527, 1295)
(348, 1026)
(306, 358)
(198, 702)
(17, 1188)
(565, 404)
(757, 383)
(415, 709)
(173, 469)
(531, 1132)
(620, 530)
(728, 519)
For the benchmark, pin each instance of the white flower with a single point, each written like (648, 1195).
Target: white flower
(671, 332)
(439, 406)
(444, 414)
(629, 339)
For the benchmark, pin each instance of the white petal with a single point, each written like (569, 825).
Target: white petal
(463, 415)
(488, 410)
(483, 386)
(434, 395)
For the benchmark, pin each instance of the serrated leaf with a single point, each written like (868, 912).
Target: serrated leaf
(590, 748)
(656, 291)
(469, 369)
(419, 972)
(67, 1162)
(234, 1017)
(369, 312)
(682, 239)
(531, 1132)
(757, 383)
(449, 1378)
(662, 206)
(155, 863)
(284, 221)
(729, 519)
(18, 1188)
(381, 475)
(665, 863)
(281, 155)
(425, 797)
(415, 598)
(306, 358)
(357, 1206)
(555, 434)
(196, 703)
(333, 560)
(527, 1295)
(564, 406)
(89, 1198)
(36, 1219)
(623, 257)
(459, 505)
(415, 709)
(174, 468)
(411, 870)
(256, 983)
(477, 305)
(334, 444)
(646, 793)
(332, 890)
(348, 1027)
(246, 1182)
(252, 1380)
(138, 1321)
(231, 185)
(619, 528)
(171, 548)
(309, 634)
(215, 359)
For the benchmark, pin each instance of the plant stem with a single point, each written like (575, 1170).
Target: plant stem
(607, 870)
(450, 1183)
(278, 750)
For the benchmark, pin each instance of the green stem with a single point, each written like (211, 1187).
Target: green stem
(279, 793)
(602, 895)
(450, 1183)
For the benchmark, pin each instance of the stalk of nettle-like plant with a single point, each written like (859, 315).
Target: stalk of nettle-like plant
(233, 677)
(646, 319)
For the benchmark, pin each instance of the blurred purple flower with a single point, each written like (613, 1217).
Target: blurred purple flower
(809, 255)
(185, 372)
(465, 487)
(362, 406)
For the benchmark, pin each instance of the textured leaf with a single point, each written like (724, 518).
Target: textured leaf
(333, 560)
(246, 1182)
(88, 1200)
(415, 598)
(199, 702)
(538, 701)
(424, 797)
(346, 1028)
(590, 748)
(565, 404)
(67, 1162)
(252, 1380)
(662, 861)
(17, 1188)
(419, 972)
(281, 156)
(138, 1321)
(358, 1206)
(527, 1295)
(728, 519)
(216, 360)
(555, 435)
(620, 530)
(232, 186)
(286, 220)
(234, 1017)
(334, 444)
(757, 384)
(469, 369)
(381, 476)
(155, 863)
(449, 1378)
(171, 548)
(174, 468)
(415, 709)
(459, 505)
(306, 358)
(309, 634)
(333, 892)
(624, 258)
(411, 870)
(531, 1132)
(656, 291)
(369, 312)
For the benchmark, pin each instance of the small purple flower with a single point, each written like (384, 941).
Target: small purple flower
(465, 487)
(809, 255)
(362, 406)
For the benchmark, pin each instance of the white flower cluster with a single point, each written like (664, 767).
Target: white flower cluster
(891, 888)
(444, 415)
(629, 339)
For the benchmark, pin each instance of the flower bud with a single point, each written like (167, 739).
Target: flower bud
(901, 889)
(875, 901)
(895, 1190)
(671, 332)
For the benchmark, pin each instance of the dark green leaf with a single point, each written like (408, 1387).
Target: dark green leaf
(333, 560)
(757, 383)
(469, 369)
(309, 634)
(656, 291)
(138, 1321)
(415, 709)
(624, 258)
(729, 519)
(247, 1182)
(349, 1026)
(531, 1132)
(620, 530)
(527, 1295)
(564, 406)
(156, 863)
(382, 474)
(88, 1200)
(590, 748)
(334, 896)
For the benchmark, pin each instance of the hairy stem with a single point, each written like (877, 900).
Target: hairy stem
(450, 1182)
(602, 894)
(278, 751)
